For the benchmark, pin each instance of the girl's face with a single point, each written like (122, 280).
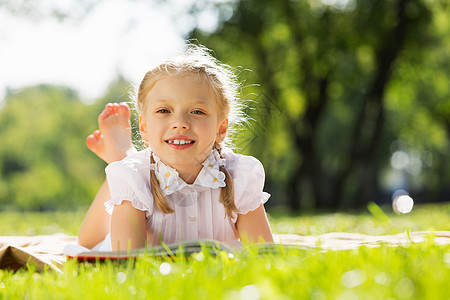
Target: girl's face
(181, 123)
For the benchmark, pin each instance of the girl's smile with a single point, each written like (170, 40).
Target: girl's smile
(180, 142)
(181, 122)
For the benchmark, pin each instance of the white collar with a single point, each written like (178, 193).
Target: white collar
(210, 175)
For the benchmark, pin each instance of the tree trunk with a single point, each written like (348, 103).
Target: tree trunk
(371, 118)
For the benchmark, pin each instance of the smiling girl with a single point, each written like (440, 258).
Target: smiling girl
(185, 184)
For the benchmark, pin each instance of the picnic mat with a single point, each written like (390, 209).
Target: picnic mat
(46, 251)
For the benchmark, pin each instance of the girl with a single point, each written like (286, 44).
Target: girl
(185, 184)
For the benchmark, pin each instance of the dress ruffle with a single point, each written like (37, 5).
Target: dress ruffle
(117, 200)
(250, 207)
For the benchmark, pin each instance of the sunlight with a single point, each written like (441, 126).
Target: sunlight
(402, 203)
(165, 268)
(399, 160)
(339, 4)
(116, 37)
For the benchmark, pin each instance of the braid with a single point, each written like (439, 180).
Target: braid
(227, 192)
(158, 197)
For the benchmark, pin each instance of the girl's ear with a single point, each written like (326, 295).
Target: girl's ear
(222, 131)
(143, 128)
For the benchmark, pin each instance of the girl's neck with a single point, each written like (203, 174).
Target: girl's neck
(187, 171)
(189, 175)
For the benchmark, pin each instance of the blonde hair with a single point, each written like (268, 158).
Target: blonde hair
(220, 77)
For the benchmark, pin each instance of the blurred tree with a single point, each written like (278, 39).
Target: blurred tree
(420, 106)
(332, 78)
(43, 161)
(353, 103)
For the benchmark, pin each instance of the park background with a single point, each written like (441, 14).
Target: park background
(348, 101)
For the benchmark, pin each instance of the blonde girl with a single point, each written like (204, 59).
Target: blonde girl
(185, 184)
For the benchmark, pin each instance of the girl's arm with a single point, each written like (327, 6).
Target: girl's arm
(97, 222)
(128, 227)
(254, 226)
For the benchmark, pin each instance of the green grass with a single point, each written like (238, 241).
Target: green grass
(40, 223)
(417, 271)
(422, 217)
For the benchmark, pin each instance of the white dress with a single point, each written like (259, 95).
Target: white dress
(198, 212)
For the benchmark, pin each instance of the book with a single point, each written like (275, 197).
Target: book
(186, 249)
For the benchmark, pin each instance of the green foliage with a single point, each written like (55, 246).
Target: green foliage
(342, 85)
(44, 162)
(341, 89)
(43, 159)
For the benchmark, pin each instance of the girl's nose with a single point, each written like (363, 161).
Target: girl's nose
(180, 122)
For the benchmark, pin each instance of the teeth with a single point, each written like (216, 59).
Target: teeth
(179, 142)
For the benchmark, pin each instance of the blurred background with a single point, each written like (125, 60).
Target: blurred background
(349, 100)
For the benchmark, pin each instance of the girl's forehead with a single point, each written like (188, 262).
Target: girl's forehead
(200, 77)
(182, 82)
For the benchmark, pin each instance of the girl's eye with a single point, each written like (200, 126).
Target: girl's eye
(163, 111)
(198, 112)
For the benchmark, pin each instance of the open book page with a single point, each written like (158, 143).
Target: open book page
(185, 248)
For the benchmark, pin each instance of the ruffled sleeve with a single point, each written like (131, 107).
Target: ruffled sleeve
(248, 178)
(129, 180)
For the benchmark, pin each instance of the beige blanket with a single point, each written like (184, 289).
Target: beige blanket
(43, 251)
(46, 251)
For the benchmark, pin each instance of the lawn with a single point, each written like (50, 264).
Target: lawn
(416, 271)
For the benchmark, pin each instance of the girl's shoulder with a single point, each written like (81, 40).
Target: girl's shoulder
(135, 161)
(248, 179)
(128, 179)
(239, 164)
